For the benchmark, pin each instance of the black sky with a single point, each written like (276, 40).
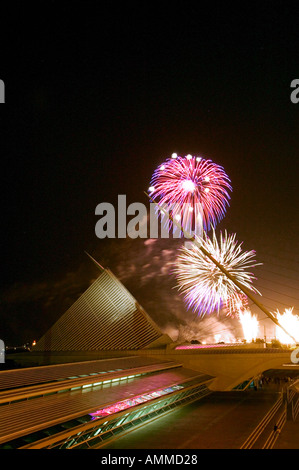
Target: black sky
(98, 94)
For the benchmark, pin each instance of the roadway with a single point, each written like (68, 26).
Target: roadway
(289, 436)
(222, 420)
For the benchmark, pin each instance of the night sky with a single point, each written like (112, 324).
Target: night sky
(97, 95)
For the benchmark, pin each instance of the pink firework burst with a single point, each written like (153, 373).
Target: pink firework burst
(195, 190)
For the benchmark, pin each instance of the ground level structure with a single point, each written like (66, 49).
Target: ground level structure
(105, 368)
(79, 405)
(137, 402)
(107, 321)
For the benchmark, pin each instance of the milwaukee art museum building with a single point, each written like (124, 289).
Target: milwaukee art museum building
(105, 368)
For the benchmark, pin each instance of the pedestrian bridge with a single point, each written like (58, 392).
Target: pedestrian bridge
(230, 366)
(233, 365)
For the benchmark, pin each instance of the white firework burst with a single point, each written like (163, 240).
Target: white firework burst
(205, 287)
(290, 322)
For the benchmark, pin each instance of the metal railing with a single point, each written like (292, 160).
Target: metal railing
(275, 432)
(260, 428)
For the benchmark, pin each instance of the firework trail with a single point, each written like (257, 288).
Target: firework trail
(250, 325)
(195, 189)
(205, 287)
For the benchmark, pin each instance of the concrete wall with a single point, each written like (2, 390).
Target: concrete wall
(230, 368)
